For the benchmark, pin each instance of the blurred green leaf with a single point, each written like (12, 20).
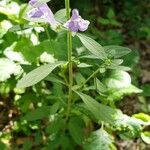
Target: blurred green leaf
(111, 13)
(99, 140)
(58, 49)
(142, 116)
(37, 74)
(3, 146)
(100, 111)
(129, 127)
(37, 114)
(27, 145)
(146, 90)
(103, 21)
(61, 15)
(119, 94)
(118, 79)
(55, 126)
(75, 127)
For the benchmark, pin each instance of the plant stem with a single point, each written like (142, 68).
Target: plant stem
(91, 76)
(69, 43)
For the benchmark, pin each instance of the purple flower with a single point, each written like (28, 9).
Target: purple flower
(38, 11)
(76, 23)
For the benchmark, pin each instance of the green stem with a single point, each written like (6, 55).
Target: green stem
(91, 76)
(69, 43)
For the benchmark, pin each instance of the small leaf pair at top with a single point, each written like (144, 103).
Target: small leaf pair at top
(116, 51)
(94, 47)
(116, 65)
(37, 74)
(99, 140)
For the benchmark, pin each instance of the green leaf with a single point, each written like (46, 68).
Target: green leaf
(3, 146)
(104, 21)
(111, 13)
(84, 65)
(100, 111)
(119, 94)
(55, 126)
(99, 140)
(27, 145)
(55, 79)
(37, 114)
(23, 42)
(100, 86)
(75, 127)
(146, 90)
(37, 74)
(116, 62)
(58, 49)
(79, 78)
(116, 51)
(94, 47)
(123, 68)
(142, 116)
(129, 127)
(16, 28)
(61, 15)
(118, 79)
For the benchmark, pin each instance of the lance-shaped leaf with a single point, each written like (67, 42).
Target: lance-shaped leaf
(37, 74)
(94, 47)
(100, 111)
(116, 51)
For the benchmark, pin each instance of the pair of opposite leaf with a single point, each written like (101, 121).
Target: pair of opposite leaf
(38, 11)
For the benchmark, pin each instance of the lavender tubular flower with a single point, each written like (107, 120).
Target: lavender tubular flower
(76, 23)
(38, 11)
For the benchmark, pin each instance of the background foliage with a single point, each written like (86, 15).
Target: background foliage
(32, 118)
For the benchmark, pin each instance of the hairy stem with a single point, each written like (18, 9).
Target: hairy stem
(69, 43)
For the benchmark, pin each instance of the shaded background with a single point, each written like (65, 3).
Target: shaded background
(116, 22)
